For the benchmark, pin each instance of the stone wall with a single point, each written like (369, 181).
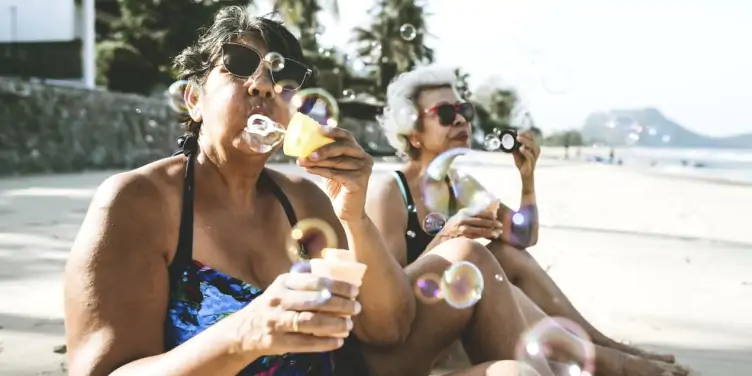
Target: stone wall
(47, 128)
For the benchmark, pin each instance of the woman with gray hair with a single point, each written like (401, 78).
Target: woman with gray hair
(424, 117)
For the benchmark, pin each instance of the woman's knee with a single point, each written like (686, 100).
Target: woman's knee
(463, 249)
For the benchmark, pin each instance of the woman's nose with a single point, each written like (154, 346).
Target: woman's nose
(261, 85)
(459, 120)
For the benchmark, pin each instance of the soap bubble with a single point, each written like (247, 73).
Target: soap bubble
(275, 61)
(518, 219)
(557, 79)
(491, 142)
(408, 32)
(471, 194)
(442, 182)
(560, 341)
(175, 96)
(310, 235)
(262, 134)
(439, 167)
(349, 94)
(433, 223)
(318, 104)
(462, 285)
(428, 288)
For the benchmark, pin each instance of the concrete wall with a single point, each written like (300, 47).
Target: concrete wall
(52, 128)
(46, 128)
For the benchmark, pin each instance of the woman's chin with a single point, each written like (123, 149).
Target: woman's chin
(460, 144)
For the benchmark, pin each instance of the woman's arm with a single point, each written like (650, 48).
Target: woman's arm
(117, 289)
(529, 210)
(386, 294)
(386, 208)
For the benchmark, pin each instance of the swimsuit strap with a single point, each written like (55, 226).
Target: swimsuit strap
(184, 253)
(281, 197)
(408, 198)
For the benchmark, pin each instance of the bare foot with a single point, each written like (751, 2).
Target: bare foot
(666, 358)
(638, 366)
(629, 349)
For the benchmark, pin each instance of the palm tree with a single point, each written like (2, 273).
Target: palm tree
(384, 45)
(502, 104)
(303, 15)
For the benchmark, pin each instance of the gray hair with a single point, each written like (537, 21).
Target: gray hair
(400, 116)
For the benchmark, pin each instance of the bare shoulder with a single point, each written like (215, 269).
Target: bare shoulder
(115, 283)
(385, 196)
(146, 196)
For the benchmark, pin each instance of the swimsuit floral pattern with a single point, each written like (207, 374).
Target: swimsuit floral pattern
(203, 296)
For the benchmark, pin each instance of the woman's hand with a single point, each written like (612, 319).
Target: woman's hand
(477, 226)
(346, 168)
(527, 155)
(299, 313)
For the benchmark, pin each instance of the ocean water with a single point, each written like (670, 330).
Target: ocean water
(732, 165)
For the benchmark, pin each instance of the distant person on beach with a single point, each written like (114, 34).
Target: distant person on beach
(397, 206)
(181, 266)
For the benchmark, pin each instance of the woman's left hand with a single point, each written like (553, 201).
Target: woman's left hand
(346, 168)
(527, 155)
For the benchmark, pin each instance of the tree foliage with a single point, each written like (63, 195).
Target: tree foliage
(158, 30)
(120, 67)
(303, 15)
(383, 45)
(564, 138)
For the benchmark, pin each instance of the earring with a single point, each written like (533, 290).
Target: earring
(417, 144)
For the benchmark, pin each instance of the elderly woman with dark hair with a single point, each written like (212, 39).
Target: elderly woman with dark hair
(180, 266)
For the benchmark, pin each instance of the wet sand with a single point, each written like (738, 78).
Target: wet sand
(663, 263)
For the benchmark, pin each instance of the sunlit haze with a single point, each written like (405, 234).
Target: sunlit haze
(687, 58)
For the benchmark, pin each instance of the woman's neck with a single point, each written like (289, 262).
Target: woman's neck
(234, 179)
(417, 167)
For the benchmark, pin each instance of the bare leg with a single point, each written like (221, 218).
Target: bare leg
(527, 274)
(608, 361)
(492, 325)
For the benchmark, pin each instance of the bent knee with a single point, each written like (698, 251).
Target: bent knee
(463, 249)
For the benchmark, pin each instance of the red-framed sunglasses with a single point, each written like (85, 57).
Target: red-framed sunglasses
(242, 61)
(447, 112)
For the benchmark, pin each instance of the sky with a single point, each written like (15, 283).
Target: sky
(691, 59)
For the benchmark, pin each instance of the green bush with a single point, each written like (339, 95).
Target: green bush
(120, 67)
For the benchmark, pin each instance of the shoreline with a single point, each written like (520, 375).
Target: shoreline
(671, 169)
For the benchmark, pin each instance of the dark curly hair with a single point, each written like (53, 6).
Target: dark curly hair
(231, 23)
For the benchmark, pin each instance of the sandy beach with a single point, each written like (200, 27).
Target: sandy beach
(662, 262)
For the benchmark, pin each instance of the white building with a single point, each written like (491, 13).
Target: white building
(50, 39)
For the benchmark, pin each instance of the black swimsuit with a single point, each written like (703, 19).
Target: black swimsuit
(416, 239)
(201, 296)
